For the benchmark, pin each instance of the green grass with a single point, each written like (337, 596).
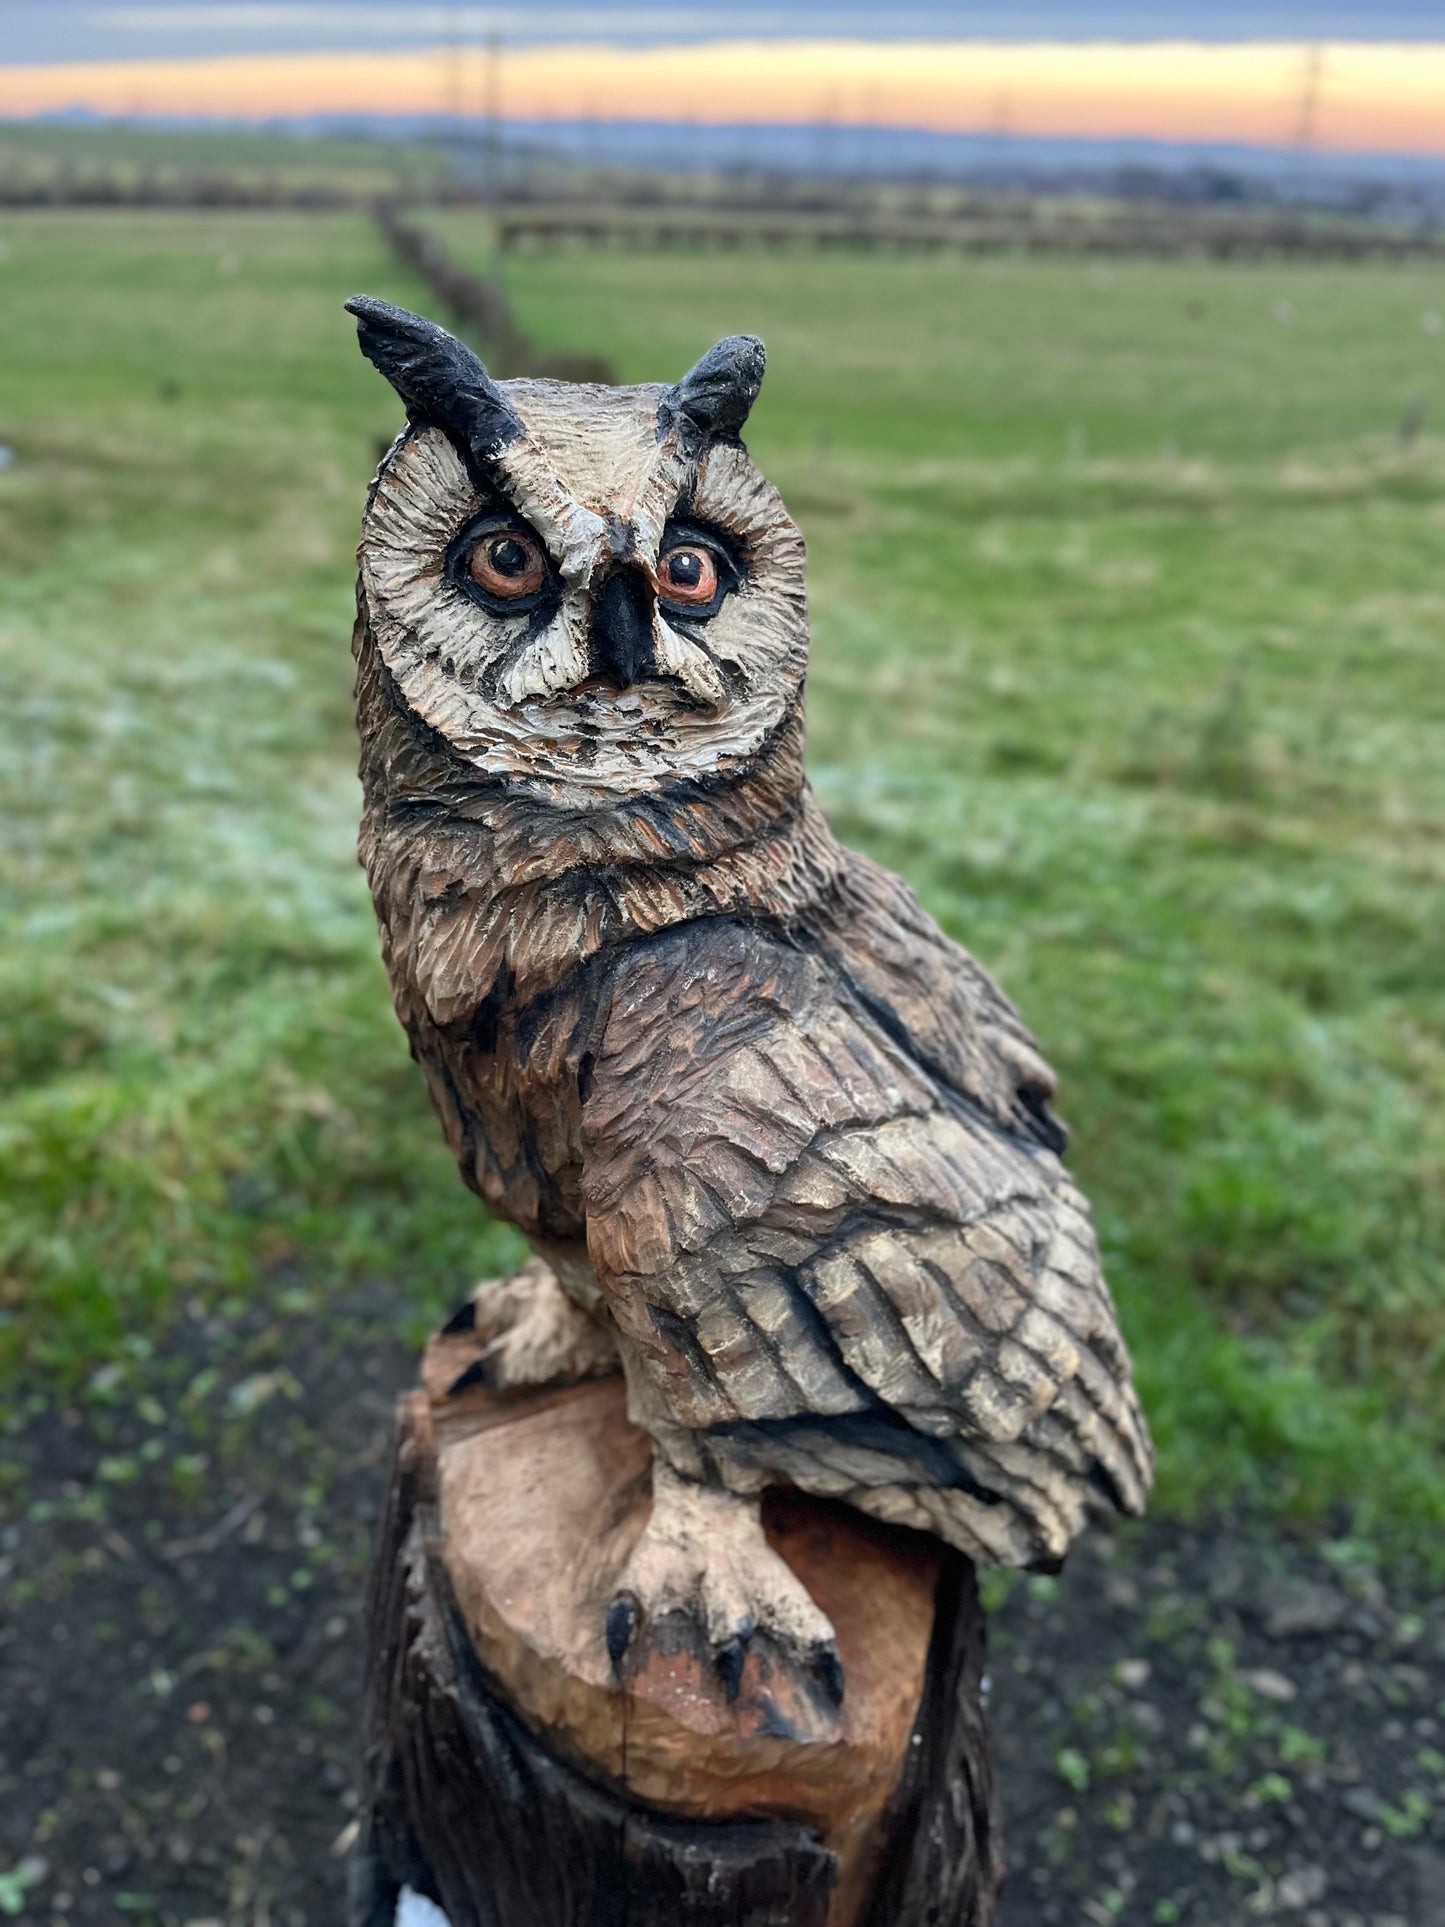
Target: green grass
(1129, 626)
(205, 1089)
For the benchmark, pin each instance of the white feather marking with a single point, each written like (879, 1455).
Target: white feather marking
(678, 656)
(555, 661)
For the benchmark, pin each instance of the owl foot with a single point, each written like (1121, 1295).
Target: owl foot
(704, 1577)
(532, 1334)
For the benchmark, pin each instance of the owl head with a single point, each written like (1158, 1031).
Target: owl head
(590, 593)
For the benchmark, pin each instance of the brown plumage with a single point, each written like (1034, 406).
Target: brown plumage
(779, 1139)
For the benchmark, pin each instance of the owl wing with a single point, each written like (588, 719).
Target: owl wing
(837, 1266)
(925, 990)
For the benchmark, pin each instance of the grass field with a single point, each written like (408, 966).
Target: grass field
(46, 154)
(1129, 621)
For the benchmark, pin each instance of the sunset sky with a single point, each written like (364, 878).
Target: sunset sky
(1225, 71)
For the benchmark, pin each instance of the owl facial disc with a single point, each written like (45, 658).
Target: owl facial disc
(590, 592)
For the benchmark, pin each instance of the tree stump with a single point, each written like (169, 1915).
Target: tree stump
(513, 1778)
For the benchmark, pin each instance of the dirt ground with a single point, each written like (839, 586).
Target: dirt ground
(1192, 1726)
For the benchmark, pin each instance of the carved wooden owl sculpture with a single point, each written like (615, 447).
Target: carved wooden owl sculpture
(777, 1142)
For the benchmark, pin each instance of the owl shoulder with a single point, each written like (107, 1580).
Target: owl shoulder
(933, 999)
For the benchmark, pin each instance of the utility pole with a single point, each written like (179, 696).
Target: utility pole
(453, 66)
(826, 129)
(1312, 80)
(493, 124)
(870, 145)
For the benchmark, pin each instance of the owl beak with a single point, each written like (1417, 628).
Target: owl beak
(621, 650)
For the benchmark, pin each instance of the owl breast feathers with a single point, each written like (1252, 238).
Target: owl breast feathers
(760, 1113)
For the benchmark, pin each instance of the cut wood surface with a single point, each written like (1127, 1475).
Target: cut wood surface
(506, 1760)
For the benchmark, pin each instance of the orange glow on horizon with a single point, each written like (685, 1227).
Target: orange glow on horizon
(1370, 96)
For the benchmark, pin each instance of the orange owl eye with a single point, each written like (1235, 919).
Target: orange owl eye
(508, 564)
(688, 574)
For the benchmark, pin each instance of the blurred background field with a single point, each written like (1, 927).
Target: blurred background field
(126, 160)
(1128, 621)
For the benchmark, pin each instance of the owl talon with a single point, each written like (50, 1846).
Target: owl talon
(728, 1663)
(463, 1319)
(479, 1372)
(624, 1616)
(531, 1334)
(827, 1669)
(703, 1579)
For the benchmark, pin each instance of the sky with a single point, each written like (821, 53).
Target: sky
(52, 31)
(1174, 70)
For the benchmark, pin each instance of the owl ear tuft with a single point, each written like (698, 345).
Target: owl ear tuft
(438, 377)
(715, 396)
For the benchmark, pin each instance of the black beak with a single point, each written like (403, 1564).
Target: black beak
(621, 642)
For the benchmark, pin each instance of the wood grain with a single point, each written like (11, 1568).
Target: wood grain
(784, 1150)
(799, 1142)
(491, 1694)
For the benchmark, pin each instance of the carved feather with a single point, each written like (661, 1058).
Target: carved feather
(842, 1264)
(708, 1060)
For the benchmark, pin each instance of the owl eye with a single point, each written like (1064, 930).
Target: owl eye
(687, 574)
(502, 563)
(698, 564)
(508, 565)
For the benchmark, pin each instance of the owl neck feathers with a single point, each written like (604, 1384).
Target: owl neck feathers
(484, 894)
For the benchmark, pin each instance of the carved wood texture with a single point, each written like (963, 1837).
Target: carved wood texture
(785, 1150)
(723, 1071)
(477, 1797)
